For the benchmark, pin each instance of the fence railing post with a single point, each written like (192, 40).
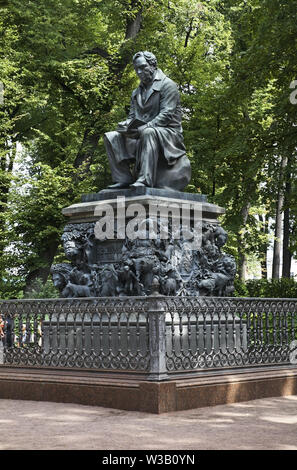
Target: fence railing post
(157, 340)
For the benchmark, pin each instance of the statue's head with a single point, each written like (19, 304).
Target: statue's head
(145, 65)
(229, 264)
(72, 244)
(60, 274)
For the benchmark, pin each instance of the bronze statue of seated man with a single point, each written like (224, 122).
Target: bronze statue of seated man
(152, 137)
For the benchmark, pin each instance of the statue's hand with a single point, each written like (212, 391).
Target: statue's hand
(124, 123)
(135, 133)
(141, 128)
(122, 126)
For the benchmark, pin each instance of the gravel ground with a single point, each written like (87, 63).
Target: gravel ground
(264, 424)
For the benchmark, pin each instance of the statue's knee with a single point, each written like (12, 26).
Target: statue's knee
(110, 135)
(147, 132)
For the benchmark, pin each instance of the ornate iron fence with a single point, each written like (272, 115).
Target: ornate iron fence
(156, 336)
(229, 332)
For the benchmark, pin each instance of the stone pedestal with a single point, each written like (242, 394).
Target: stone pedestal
(121, 243)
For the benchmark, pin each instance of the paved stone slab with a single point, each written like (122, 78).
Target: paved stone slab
(265, 424)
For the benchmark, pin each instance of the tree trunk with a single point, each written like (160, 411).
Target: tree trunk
(287, 256)
(264, 220)
(242, 261)
(133, 25)
(6, 166)
(278, 221)
(42, 272)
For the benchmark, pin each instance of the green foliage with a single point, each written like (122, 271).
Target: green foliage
(12, 286)
(241, 289)
(67, 75)
(279, 288)
(35, 212)
(42, 290)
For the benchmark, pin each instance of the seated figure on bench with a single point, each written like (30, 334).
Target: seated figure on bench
(151, 138)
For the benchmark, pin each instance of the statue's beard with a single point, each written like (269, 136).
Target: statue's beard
(148, 75)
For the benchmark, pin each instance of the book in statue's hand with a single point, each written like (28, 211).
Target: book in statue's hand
(127, 126)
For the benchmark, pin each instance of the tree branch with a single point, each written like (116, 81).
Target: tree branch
(133, 26)
(67, 89)
(98, 51)
(189, 32)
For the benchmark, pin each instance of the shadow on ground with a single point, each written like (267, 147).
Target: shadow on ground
(269, 423)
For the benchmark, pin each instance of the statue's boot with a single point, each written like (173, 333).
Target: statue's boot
(119, 186)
